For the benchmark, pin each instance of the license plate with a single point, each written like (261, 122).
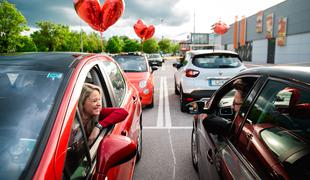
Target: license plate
(217, 82)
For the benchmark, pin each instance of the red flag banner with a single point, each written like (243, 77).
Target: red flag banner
(282, 28)
(242, 31)
(259, 22)
(269, 26)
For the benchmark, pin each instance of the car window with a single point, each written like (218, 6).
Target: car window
(77, 162)
(132, 63)
(117, 80)
(216, 61)
(282, 113)
(27, 97)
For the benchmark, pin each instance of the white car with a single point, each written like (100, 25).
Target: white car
(202, 72)
(155, 59)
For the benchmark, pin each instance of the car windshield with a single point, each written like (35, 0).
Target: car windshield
(26, 100)
(132, 63)
(216, 61)
(154, 56)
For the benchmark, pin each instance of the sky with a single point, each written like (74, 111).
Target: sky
(173, 19)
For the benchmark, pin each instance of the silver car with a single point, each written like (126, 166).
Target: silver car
(155, 59)
(202, 72)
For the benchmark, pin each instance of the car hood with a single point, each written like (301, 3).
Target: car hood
(136, 77)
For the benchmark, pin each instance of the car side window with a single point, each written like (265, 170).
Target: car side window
(117, 81)
(78, 162)
(280, 117)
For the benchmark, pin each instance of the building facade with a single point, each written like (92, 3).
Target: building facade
(277, 35)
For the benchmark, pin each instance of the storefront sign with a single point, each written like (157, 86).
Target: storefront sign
(269, 26)
(282, 26)
(259, 22)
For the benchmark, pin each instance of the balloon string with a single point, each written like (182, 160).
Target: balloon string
(142, 42)
(101, 41)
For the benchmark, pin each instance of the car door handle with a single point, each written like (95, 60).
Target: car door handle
(209, 156)
(134, 98)
(124, 133)
(249, 136)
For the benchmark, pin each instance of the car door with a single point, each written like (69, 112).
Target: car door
(275, 136)
(218, 157)
(126, 96)
(180, 72)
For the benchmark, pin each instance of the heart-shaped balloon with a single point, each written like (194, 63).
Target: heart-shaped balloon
(150, 32)
(140, 28)
(99, 18)
(143, 31)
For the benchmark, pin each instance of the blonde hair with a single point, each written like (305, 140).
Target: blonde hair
(86, 91)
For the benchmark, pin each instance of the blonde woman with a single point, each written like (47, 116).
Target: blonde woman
(94, 117)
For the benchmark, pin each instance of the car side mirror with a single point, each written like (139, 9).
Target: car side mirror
(154, 68)
(198, 107)
(113, 150)
(217, 125)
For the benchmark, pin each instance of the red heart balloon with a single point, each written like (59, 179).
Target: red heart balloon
(150, 32)
(140, 28)
(143, 31)
(99, 18)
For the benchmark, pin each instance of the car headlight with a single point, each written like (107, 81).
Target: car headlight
(142, 83)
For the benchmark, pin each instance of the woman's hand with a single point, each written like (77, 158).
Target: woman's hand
(93, 135)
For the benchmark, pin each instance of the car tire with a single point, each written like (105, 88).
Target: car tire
(139, 145)
(152, 103)
(176, 88)
(182, 103)
(194, 148)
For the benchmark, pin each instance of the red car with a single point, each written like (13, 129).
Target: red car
(41, 132)
(140, 73)
(269, 138)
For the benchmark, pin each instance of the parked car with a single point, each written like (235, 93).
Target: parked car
(140, 74)
(268, 138)
(155, 59)
(202, 72)
(42, 134)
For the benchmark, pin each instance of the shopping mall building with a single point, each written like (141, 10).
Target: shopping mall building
(277, 35)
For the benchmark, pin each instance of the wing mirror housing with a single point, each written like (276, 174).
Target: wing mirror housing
(198, 107)
(217, 125)
(154, 68)
(177, 65)
(113, 150)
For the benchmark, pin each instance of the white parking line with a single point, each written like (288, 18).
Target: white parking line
(160, 115)
(167, 107)
(162, 128)
(163, 68)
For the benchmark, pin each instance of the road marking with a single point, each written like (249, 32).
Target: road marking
(173, 155)
(163, 128)
(167, 107)
(160, 115)
(163, 67)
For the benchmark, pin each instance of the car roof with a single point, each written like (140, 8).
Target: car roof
(209, 51)
(295, 73)
(48, 59)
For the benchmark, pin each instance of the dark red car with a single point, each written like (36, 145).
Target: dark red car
(270, 136)
(42, 136)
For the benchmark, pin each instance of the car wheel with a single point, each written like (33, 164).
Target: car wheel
(176, 88)
(182, 103)
(152, 103)
(194, 148)
(139, 145)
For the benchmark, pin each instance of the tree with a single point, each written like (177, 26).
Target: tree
(51, 37)
(114, 45)
(12, 23)
(26, 45)
(131, 45)
(175, 48)
(165, 45)
(150, 46)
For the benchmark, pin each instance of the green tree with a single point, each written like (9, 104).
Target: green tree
(12, 23)
(26, 45)
(51, 37)
(175, 48)
(165, 45)
(150, 46)
(131, 45)
(114, 45)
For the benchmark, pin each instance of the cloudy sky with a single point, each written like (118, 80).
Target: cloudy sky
(173, 19)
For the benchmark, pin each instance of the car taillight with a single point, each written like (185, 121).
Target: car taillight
(191, 73)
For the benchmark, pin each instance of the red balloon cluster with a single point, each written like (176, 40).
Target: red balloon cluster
(99, 18)
(143, 31)
(220, 28)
